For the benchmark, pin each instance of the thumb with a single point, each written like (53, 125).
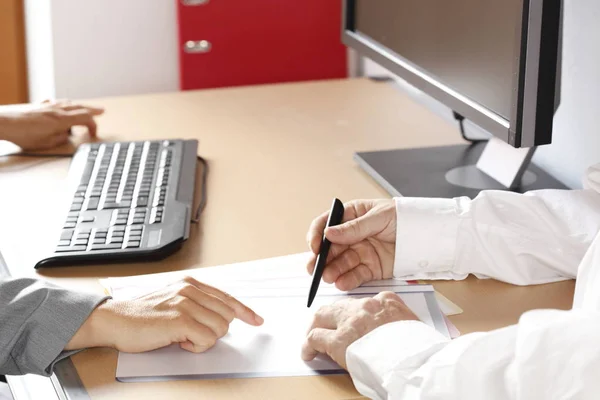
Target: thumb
(353, 231)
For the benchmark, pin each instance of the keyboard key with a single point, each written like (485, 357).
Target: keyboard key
(88, 218)
(80, 242)
(141, 202)
(120, 221)
(92, 203)
(117, 233)
(111, 246)
(66, 234)
(69, 249)
(99, 240)
(115, 240)
(137, 221)
(62, 243)
(134, 237)
(69, 225)
(132, 245)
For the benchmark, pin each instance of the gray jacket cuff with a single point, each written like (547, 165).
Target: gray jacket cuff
(63, 316)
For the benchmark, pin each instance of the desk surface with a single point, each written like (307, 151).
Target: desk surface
(277, 155)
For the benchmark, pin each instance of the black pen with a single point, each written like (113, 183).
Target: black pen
(335, 218)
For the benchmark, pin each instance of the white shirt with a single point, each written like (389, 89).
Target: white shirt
(542, 236)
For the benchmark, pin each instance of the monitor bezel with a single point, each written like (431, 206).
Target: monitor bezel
(535, 86)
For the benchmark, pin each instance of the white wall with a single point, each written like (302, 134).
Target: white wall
(101, 48)
(576, 140)
(38, 36)
(576, 137)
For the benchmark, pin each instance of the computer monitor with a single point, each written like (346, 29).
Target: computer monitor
(493, 63)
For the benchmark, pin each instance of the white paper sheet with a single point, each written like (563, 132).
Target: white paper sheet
(277, 289)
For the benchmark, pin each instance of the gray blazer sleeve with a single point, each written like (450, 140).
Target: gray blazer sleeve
(37, 320)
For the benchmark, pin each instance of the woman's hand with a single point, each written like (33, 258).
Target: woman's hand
(190, 313)
(48, 125)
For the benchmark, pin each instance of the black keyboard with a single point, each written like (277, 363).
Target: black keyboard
(131, 201)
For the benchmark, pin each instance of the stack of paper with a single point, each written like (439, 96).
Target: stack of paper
(277, 289)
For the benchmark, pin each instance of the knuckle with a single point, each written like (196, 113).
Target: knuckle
(184, 321)
(222, 328)
(312, 336)
(210, 339)
(185, 289)
(322, 313)
(355, 320)
(181, 302)
(355, 227)
(371, 305)
(229, 315)
(391, 296)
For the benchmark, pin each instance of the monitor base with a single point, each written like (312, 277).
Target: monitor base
(447, 172)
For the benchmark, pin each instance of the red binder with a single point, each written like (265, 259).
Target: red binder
(240, 42)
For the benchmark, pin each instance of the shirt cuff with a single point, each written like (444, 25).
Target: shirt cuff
(426, 232)
(62, 316)
(399, 347)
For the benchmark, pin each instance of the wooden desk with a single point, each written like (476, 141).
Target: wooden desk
(277, 154)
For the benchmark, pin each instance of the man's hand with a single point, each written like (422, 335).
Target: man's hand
(47, 126)
(362, 247)
(336, 327)
(189, 313)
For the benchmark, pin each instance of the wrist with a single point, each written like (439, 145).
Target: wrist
(100, 329)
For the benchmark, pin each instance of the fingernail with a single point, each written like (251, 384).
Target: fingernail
(259, 320)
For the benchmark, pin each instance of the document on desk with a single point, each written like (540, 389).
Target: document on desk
(277, 289)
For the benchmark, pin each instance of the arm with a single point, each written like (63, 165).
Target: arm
(525, 239)
(37, 320)
(549, 354)
(390, 355)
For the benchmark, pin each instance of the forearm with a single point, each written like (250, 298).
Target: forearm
(521, 239)
(524, 361)
(37, 321)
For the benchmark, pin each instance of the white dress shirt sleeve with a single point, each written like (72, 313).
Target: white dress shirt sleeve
(538, 237)
(522, 239)
(550, 354)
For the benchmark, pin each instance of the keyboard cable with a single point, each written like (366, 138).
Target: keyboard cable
(201, 160)
(203, 195)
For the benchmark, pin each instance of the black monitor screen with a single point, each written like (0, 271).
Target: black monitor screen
(471, 46)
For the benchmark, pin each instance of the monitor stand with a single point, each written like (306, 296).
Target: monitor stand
(454, 171)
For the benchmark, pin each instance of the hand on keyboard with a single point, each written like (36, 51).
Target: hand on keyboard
(48, 125)
(189, 313)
